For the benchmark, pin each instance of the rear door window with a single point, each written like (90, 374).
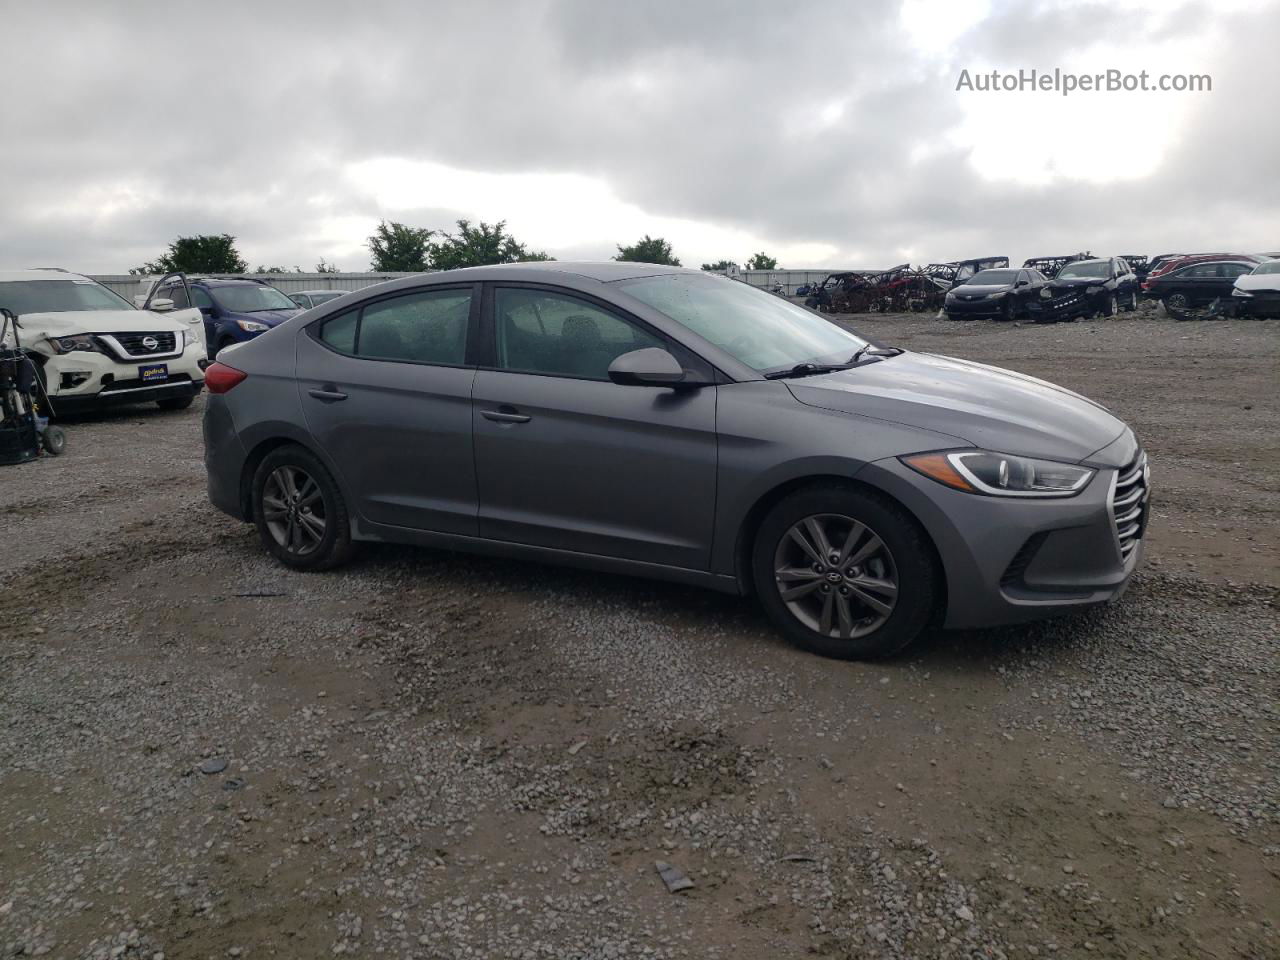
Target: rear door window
(422, 327)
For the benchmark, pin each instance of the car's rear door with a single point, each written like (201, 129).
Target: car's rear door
(569, 460)
(386, 391)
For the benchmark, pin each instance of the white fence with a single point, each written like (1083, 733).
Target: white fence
(127, 286)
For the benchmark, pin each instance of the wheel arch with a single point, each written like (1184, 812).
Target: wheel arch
(755, 515)
(253, 460)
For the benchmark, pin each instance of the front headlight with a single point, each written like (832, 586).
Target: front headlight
(997, 295)
(1237, 292)
(1001, 475)
(81, 341)
(252, 326)
(1093, 289)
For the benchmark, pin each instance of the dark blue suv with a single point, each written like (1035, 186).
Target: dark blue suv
(234, 310)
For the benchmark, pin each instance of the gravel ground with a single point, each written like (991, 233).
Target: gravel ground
(426, 755)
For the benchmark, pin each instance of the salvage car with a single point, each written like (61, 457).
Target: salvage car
(1001, 294)
(1049, 266)
(234, 310)
(1087, 288)
(92, 348)
(658, 421)
(1257, 293)
(1196, 282)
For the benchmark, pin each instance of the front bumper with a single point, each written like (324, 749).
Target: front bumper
(84, 380)
(1066, 305)
(974, 308)
(1010, 560)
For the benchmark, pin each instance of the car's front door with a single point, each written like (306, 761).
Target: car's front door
(569, 460)
(386, 391)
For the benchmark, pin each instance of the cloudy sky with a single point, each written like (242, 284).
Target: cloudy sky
(828, 134)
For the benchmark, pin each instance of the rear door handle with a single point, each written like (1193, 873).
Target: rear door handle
(328, 393)
(505, 415)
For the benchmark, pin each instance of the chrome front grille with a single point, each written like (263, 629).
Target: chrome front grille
(141, 346)
(1129, 504)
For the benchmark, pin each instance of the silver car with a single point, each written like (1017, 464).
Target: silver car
(668, 423)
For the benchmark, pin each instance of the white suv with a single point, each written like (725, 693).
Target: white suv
(92, 347)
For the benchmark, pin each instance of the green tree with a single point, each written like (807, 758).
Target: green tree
(762, 261)
(262, 269)
(323, 267)
(397, 248)
(648, 250)
(719, 265)
(203, 253)
(479, 246)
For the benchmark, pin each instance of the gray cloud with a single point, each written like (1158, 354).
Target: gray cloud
(126, 127)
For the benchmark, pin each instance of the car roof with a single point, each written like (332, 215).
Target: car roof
(312, 293)
(17, 276)
(603, 270)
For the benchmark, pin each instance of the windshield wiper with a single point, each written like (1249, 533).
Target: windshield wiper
(867, 350)
(806, 370)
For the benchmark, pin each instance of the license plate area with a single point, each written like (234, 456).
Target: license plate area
(153, 372)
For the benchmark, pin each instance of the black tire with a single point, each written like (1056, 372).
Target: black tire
(1006, 310)
(1133, 302)
(334, 547)
(919, 579)
(54, 440)
(1110, 306)
(175, 403)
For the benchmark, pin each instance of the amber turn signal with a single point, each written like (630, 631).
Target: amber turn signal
(936, 466)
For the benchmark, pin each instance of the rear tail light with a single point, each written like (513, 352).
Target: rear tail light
(220, 378)
(1146, 284)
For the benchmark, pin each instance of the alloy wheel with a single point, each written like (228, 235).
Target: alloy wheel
(293, 509)
(836, 576)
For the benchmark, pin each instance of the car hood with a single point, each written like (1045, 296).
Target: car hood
(71, 322)
(981, 405)
(970, 289)
(1066, 283)
(1258, 281)
(270, 317)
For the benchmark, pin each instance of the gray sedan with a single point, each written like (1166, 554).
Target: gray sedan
(667, 423)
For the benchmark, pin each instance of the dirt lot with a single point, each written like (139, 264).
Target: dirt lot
(429, 755)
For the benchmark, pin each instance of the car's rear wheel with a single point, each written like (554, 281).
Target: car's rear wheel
(1177, 305)
(299, 511)
(845, 573)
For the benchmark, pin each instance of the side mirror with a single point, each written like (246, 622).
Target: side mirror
(161, 305)
(650, 367)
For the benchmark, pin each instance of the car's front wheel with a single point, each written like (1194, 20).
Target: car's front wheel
(845, 573)
(299, 511)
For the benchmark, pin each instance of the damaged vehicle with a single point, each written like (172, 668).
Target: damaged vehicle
(1087, 288)
(1199, 283)
(996, 294)
(1050, 266)
(92, 348)
(1257, 294)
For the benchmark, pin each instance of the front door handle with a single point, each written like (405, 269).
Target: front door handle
(505, 415)
(328, 393)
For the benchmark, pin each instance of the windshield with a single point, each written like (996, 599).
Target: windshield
(251, 298)
(1086, 270)
(995, 277)
(763, 331)
(1271, 266)
(58, 296)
